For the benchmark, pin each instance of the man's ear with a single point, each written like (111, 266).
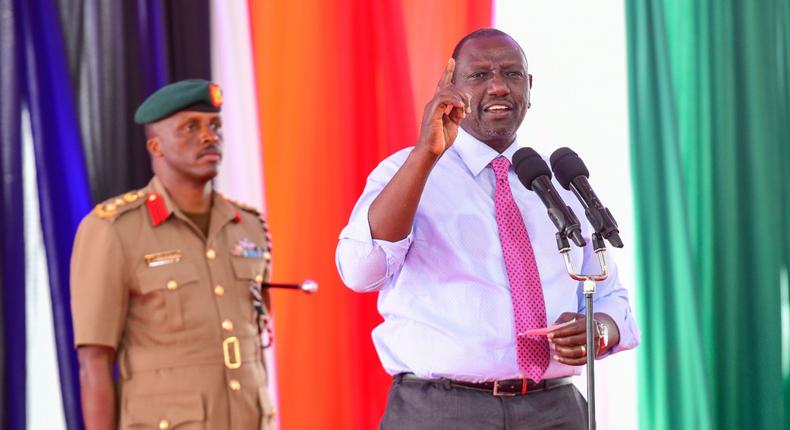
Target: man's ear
(154, 147)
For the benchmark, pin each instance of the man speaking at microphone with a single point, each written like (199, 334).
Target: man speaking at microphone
(465, 261)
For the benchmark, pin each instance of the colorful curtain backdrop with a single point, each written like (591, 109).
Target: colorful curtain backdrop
(709, 134)
(337, 92)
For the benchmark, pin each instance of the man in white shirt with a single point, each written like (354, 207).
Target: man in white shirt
(464, 260)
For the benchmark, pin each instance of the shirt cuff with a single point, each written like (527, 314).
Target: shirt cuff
(626, 325)
(367, 264)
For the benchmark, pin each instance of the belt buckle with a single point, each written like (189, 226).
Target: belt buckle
(498, 393)
(226, 345)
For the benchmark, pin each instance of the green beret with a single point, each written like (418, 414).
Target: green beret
(190, 94)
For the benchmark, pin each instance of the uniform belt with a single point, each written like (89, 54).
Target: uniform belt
(232, 352)
(506, 387)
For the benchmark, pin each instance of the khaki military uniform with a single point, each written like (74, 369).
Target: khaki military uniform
(177, 308)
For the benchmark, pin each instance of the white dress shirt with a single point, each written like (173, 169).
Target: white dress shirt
(444, 291)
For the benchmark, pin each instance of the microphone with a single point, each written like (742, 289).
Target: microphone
(534, 173)
(572, 174)
(309, 286)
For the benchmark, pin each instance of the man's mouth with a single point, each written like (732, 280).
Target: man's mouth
(210, 155)
(498, 109)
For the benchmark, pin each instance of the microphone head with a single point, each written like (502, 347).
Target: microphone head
(567, 165)
(529, 165)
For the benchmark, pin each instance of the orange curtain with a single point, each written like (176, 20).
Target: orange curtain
(341, 85)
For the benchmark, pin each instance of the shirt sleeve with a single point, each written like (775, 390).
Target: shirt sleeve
(367, 264)
(611, 298)
(99, 293)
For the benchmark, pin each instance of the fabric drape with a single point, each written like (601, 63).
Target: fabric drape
(119, 53)
(12, 248)
(62, 182)
(709, 137)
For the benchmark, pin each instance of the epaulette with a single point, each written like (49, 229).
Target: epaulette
(241, 205)
(118, 205)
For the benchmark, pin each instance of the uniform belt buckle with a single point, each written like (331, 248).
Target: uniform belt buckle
(235, 361)
(498, 393)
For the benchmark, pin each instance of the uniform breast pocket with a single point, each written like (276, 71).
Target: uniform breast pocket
(161, 289)
(248, 269)
(177, 411)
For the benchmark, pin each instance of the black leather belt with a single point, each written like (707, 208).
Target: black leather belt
(506, 387)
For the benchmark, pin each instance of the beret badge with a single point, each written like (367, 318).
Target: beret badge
(215, 94)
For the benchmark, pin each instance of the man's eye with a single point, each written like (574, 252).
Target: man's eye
(515, 74)
(477, 75)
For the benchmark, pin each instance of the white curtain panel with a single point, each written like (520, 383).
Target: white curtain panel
(241, 172)
(44, 402)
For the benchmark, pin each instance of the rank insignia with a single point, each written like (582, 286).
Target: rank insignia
(247, 249)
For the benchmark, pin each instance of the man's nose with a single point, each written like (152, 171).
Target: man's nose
(209, 135)
(497, 86)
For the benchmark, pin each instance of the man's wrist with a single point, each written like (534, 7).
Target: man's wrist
(603, 336)
(424, 156)
(612, 332)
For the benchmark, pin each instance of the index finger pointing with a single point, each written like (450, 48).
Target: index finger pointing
(447, 76)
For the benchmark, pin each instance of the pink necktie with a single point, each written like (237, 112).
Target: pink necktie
(529, 309)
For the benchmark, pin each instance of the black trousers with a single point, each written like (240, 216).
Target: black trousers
(417, 404)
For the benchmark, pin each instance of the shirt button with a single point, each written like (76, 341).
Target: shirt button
(172, 285)
(259, 279)
(227, 325)
(219, 291)
(211, 254)
(267, 255)
(234, 385)
(164, 425)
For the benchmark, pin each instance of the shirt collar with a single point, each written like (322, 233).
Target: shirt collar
(476, 154)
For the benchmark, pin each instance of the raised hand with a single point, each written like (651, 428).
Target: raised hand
(443, 114)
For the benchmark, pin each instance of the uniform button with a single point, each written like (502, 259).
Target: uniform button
(219, 291)
(164, 425)
(267, 255)
(211, 254)
(258, 279)
(172, 285)
(227, 325)
(234, 385)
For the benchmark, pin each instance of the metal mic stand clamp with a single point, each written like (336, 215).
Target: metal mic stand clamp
(589, 289)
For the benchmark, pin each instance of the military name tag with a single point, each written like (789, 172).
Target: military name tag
(162, 258)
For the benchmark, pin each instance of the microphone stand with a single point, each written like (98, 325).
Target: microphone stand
(589, 290)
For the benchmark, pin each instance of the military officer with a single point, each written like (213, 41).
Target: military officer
(162, 282)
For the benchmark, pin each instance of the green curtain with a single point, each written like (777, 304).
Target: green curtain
(710, 142)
